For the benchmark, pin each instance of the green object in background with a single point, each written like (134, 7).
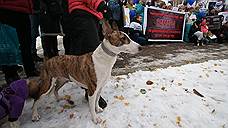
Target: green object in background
(10, 53)
(187, 29)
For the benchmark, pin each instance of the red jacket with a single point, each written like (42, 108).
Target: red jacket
(24, 6)
(87, 5)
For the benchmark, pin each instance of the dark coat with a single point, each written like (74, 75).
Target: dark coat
(24, 6)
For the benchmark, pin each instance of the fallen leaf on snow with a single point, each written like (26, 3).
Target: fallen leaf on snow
(70, 102)
(119, 97)
(197, 93)
(72, 115)
(126, 103)
(149, 82)
(178, 120)
(163, 88)
(129, 126)
(68, 106)
(179, 84)
(67, 97)
(213, 111)
(61, 111)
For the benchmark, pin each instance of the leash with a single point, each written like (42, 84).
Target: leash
(107, 51)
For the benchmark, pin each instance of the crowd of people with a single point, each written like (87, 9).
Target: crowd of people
(78, 21)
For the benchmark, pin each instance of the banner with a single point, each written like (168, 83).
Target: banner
(225, 16)
(163, 25)
(214, 22)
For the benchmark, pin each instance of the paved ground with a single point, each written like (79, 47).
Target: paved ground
(162, 56)
(170, 54)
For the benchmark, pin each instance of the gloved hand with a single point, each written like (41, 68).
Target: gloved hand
(103, 8)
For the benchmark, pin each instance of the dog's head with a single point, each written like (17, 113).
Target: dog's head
(34, 87)
(118, 41)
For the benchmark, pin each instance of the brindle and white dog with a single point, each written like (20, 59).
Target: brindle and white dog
(90, 71)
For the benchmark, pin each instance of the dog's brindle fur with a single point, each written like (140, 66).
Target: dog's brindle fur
(90, 71)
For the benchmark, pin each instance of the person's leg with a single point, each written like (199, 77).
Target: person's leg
(83, 39)
(34, 19)
(49, 44)
(54, 46)
(10, 73)
(24, 35)
(65, 22)
(21, 22)
(49, 25)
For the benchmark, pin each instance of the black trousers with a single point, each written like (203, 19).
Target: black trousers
(83, 33)
(49, 24)
(21, 22)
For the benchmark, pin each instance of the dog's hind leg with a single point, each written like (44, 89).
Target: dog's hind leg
(59, 83)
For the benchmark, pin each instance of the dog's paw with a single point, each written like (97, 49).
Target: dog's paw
(35, 117)
(97, 120)
(99, 109)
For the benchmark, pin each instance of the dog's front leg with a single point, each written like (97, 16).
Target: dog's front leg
(98, 108)
(35, 115)
(92, 106)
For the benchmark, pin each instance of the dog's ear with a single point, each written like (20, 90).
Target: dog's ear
(115, 26)
(106, 28)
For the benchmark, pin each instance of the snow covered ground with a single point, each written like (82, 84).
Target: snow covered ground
(163, 98)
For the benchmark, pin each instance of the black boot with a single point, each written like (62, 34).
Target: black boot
(36, 58)
(10, 73)
(102, 103)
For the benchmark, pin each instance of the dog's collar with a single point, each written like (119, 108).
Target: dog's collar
(106, 50)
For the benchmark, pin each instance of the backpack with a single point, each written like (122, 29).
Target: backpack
(115, 9)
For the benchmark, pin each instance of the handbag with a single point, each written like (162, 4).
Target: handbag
(10, 53)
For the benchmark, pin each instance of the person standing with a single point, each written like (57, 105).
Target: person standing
(84, 21)
(35, 23)
(50, 13)
(15, 13)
